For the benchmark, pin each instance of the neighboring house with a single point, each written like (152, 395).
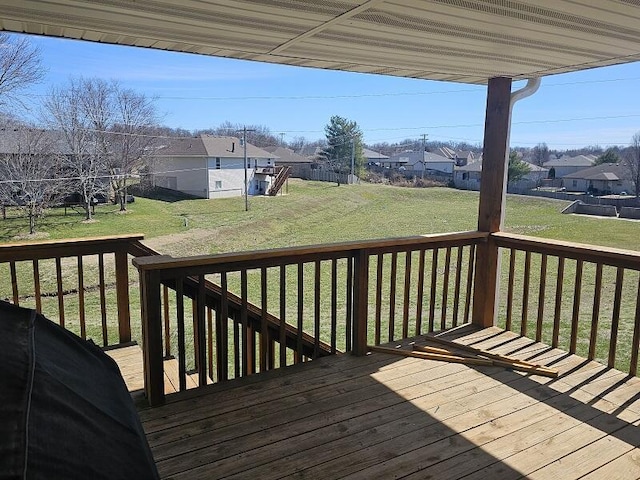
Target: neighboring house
(289, 158)
(565, 165)
(461, 157)
(396, 161)
(213, 167)
(604, 179)
(429, 162)
(468, 176)
(313, 153)
(373, 158)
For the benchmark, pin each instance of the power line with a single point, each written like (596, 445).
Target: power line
(479, 89)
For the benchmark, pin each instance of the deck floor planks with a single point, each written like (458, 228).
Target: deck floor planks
(245, 423)
(501, 448)
(269, 386)
(129, 360)
(450, 422)
(332, 426)
(625, 467)
(289, 396)
(463, 432)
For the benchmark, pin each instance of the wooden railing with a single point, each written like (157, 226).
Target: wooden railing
(580, 298)
(296, 304)
(81, 284)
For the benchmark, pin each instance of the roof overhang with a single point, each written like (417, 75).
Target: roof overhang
(452, 40)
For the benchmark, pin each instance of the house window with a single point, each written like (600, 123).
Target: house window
(217, 185)
(574, 183)
(465, 176)
(268, 162)
(255, 163)
(217, 163)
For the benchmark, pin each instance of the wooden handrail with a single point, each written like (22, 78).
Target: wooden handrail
(276, 256)
(577, 251)
(608, 302)
(214, 293)
(186, 277)
(33, 252)
(65, 248)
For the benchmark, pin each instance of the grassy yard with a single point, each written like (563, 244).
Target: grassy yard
(315, 213)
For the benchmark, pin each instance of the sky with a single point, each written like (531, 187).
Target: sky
(569, 111)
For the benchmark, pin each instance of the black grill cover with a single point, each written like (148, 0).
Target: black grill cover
(65, 412)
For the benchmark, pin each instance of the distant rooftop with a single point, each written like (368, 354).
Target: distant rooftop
(211, 146)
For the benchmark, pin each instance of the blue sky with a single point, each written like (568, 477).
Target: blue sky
(599, 106)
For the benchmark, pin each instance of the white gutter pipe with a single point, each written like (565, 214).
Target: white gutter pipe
(529, 89)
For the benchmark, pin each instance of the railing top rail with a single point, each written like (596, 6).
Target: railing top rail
(331, 250)
(579, 251)
(65, 248)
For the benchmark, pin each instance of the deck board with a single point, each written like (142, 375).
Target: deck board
(129, 360)
(384, 416)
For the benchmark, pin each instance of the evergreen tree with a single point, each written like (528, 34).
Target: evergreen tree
(517, 168)
(343, 137)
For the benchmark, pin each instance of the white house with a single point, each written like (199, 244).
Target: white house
(213, 167)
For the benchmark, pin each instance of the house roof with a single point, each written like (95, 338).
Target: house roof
(287, 155)
(411, 158)
(471, 167)
(476, 166)
(14, 139)
(605, 171)
(311, 151)
(566, 161)
(451, 40)
(211, 146)
(535, 168)
(373, 155)
(183, 146)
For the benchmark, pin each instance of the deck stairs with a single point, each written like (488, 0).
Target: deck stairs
(278, 182)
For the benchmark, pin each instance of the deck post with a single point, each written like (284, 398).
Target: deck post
(492, 199)
(122, 295)
(360, 301)
(152, 337)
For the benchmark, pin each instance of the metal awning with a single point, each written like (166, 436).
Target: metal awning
(452, 40)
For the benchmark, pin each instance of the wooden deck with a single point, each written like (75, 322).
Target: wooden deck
(384, 416)
(129, 359)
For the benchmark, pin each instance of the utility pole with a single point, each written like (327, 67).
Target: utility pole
(424, 142)
(353, 160)
(246, 166)
(246, 186)
(282, 139)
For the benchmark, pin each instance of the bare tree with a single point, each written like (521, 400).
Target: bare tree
(540, 154)
(633, 162)
(258, 135)
(30, 173)
(131, 139)
(20, 66)
(85, 159)
(109, 130)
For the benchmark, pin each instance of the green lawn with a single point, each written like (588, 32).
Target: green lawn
(314, 213)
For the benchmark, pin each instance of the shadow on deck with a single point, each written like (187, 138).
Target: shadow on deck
(382, 416)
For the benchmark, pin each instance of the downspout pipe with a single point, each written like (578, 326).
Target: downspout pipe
(529, 89)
